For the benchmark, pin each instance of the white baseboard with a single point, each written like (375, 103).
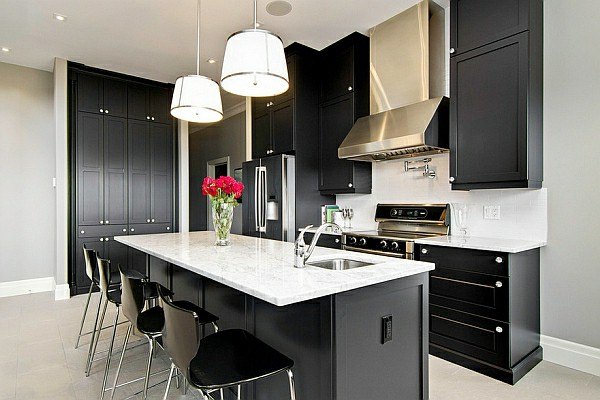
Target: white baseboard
(62, 292)
(572, 355)
(26, 286)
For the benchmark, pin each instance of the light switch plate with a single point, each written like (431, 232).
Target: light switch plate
(491, 212)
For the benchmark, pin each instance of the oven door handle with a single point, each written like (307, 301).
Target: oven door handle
(407, 256)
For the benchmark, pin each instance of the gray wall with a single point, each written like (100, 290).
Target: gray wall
(570, 266)
(27, 165)
(225, 138)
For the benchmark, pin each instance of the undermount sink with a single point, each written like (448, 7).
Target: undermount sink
(338, 264)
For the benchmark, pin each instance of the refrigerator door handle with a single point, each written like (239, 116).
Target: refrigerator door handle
(256, 199)
(263, 199)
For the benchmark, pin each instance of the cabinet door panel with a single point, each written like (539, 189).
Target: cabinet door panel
(229, 304)
(475, 23)
(336, 120)
(137, 102)
(90, 169)
(139, 172)
(160, 104)
(290, 93)
(161, 176)
(338, 73)
(117, 253)
(261, 135)
(186, 285)
(81, 278)
(89, 93)
(488, 120)
(115, 170)
(115, 98)
(282, 134)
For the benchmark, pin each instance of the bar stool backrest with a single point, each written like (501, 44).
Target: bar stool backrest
(132, 296)
(91, 265)
(104, 273)
(181, 334)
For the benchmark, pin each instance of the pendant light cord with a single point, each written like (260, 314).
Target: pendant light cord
(198, 43)
(255, 22)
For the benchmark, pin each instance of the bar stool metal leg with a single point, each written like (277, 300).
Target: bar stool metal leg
(85, 310)
(151, 342)
(95, 336)
(108, 356)
(239, 392)
(292, 385)
(169, 381)
(129, 329)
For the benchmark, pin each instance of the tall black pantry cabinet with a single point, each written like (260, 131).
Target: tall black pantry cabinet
(122, 158)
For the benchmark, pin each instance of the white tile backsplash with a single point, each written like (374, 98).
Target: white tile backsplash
(523, 212)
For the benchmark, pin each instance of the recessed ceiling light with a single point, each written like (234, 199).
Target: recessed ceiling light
(211, 61)
(5, 49)
(60, 17)
(279, 8)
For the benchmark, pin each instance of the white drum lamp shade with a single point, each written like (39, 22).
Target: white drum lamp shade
(254, 64)
(196, 98)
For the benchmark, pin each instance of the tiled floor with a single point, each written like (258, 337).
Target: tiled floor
(38, 361)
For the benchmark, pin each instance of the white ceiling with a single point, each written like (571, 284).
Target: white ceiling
(155, 39)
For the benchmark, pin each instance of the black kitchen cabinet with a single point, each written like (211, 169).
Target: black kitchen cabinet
(261, 133)
(496, 96)
(100, 95)
(485, 309)
(476, 23)
(344, 97)
(149, 103)
(121, 167)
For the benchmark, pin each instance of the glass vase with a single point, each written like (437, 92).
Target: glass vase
(222, 214)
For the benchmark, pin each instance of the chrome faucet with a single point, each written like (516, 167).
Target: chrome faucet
(301, 253)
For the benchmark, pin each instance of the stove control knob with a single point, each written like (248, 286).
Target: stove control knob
(394, 212)
(394, 245)
(352, 240)
(383, 244)
(363, 241)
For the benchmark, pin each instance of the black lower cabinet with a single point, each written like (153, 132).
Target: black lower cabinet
(336, 341)
(485, 310)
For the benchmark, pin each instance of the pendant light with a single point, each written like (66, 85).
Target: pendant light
(254, 64)
(197, 98)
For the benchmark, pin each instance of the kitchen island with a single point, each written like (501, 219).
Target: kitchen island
(353, 334)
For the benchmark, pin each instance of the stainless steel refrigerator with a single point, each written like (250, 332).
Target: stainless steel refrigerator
(269, 201)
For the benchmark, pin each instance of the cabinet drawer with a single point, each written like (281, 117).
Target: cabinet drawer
(147, 229)
(478, 261)
(101, 230)
(479, 294)
(481, 338)
(325, 240)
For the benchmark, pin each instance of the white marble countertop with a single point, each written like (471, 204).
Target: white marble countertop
(482, 243)
(265, 268)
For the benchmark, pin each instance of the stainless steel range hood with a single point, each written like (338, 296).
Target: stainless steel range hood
(407, 67)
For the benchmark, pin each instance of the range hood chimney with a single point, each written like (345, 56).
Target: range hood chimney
(409, 113)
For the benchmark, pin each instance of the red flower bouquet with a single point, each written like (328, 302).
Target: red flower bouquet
(223, 193)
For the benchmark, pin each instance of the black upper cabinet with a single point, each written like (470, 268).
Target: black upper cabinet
(149, 103)
(161, 173)
(115, 170)
(344, 98)
(90, 168)
(100, 95)
(475, 23)
(496, 107)
(261, 133)
(139, 172)
(282, 126)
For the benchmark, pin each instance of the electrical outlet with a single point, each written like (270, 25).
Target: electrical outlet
(491, 212)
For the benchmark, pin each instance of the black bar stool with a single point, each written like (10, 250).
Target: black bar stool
(224, 359)
(91, 270)
(149, 322)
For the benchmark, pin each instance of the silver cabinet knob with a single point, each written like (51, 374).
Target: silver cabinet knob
(106, 222)
(102, 239)
(337, 240)
(350, 185)
(452, 179)
(101, 110)
(132, 230)
(152, 118)
(349, 88)
(499, 260)
(452, 50)
(106, 240)
(148, 220)
(82, 232)
(147, 117)
(424, 251)
(124, 230)
(168, 228)
(498, 284)
(363, 241)
(152, 219)
(101, 222)
(499, 329)
(106, 111)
